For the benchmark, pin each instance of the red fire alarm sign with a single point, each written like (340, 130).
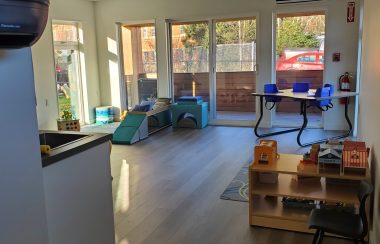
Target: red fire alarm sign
(350, 12)
(336, 57)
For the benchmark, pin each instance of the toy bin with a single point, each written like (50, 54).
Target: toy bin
(104, 115)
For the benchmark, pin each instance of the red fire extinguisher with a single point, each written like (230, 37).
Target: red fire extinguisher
(344, 85)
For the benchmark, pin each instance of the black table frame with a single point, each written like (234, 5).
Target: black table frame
(303, 108)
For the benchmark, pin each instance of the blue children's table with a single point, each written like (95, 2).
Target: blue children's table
(304, 98)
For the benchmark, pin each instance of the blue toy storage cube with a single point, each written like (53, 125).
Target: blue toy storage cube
(198, 113)
(104, 115)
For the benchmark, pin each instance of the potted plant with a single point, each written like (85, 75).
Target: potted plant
(68, 122)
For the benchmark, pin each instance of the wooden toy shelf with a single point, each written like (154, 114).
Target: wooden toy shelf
(265, 206)
(152, 113)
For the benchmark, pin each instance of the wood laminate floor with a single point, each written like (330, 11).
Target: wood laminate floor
(166, 188)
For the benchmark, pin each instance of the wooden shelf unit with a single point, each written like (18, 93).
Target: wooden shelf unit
(270, 212)
(154, 111)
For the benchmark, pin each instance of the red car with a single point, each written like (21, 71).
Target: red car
(302, 61)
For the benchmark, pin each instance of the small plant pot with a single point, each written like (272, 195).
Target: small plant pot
(69, 125)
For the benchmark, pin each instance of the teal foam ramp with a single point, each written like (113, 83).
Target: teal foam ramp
(131, 130)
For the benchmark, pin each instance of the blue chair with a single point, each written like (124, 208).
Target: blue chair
(332, 90)
(301, 87)
(271, 89)
(321, 104)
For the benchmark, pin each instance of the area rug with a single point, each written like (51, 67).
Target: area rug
(237, 190)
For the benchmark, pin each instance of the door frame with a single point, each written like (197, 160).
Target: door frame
(213, 116)
(211, 20)
(119, 37)
(169, 23)
(78, 46)
(289, 9)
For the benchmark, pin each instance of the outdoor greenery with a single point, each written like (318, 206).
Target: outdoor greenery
(236, 32)
(196, 35)
(236, 42)
(292, 32)
(230, 32)
(64, 104)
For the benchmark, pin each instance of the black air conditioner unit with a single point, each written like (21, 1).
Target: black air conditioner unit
(296, 1)
(22, 22)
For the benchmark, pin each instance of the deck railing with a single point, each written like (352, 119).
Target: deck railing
(233, 89)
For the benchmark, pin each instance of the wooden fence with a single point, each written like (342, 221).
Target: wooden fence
(233, 89)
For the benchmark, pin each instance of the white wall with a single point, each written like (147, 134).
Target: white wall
(340, 37)
(43, 61)
(132, 11)
(369, 116)
(22, 206)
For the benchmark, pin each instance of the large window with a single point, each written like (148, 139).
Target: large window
(190, 59)
(235, 69)
(67, 68)
(232, 73)
(299, 47)
(140, 63)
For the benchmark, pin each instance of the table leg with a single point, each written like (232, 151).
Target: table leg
(347, 117)
(304, 112)
(260, 118)
(305, 121)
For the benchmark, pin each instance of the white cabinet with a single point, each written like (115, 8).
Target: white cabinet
(78, 197)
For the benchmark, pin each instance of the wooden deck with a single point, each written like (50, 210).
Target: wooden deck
(233, 89)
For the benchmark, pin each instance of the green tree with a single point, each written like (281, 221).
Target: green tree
(235, 32)
(314, 24)
(196, 35)
(229, 32)
(291, 34)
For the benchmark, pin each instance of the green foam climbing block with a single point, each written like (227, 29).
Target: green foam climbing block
(199, 111)
(127, 132)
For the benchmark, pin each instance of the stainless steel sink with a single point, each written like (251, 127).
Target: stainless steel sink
(57, 139)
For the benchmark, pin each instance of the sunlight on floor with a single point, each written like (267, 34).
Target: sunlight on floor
(124, 241)
(122, 195)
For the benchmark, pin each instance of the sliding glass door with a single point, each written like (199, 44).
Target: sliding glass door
(190, 59)
(299, 58)
(140, 63)
(216, 59)
(235, 69)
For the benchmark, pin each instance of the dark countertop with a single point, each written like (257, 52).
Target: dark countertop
(70, 149)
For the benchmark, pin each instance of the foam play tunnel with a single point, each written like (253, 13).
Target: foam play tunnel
(187, 120)
(190, 115)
